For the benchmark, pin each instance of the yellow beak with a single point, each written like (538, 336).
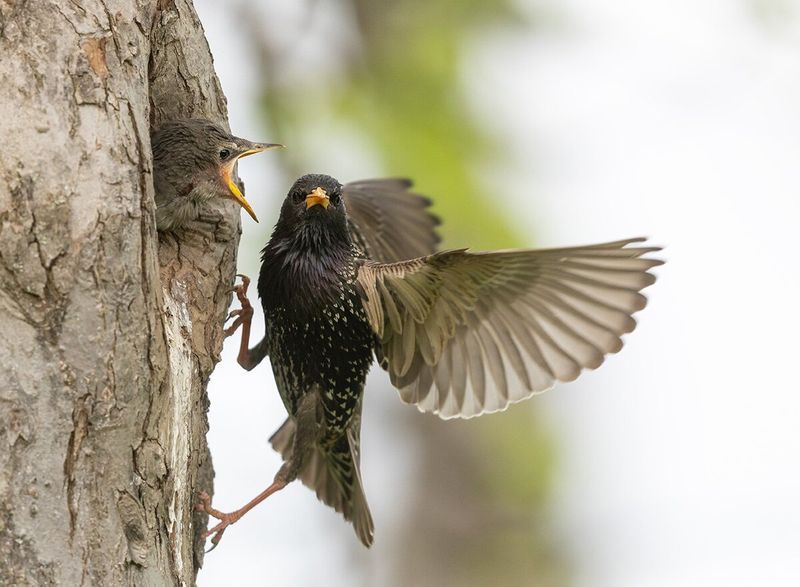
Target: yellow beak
(237, 195)
(259, 148)
(317, 196)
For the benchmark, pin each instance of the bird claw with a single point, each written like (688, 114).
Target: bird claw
(241, 289)
(243, 314)
(231, 330)
(204, 505)
(215, 540)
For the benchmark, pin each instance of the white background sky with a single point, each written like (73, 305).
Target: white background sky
(679, 458)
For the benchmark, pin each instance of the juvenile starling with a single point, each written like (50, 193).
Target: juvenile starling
(460, 333)
(193, 162)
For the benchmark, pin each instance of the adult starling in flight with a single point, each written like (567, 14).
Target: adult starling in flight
(193, 162)
(460, 333)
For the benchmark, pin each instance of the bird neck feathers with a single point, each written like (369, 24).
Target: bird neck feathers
(300, 266)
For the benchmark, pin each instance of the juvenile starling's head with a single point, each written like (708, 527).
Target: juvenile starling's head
(314, 212)
(196, 157)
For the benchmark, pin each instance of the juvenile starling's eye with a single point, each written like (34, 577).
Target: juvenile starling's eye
(224, 154)
(335, 197)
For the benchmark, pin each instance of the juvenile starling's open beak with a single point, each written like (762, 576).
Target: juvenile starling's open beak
(236, 193)
(317, 196)
(247, 148)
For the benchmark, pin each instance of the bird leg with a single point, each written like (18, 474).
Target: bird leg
(232, 517)
(247, 358)
(305, 436)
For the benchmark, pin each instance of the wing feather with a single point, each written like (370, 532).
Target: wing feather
(389, 221)
(468, 333)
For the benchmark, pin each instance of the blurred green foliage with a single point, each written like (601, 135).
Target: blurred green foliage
(408, 96)
(404, 94)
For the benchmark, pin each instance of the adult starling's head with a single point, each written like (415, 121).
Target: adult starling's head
(197, 157)
(314, 212)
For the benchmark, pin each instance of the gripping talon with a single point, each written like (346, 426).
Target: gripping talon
(233, 517)
(216, 532)
(245, 281)
(215, 540)
(230, 330)
(243, 314)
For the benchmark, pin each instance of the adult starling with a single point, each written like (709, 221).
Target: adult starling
(460, 333)
(193, 162)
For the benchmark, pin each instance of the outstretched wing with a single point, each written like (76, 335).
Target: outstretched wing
(464, 334)
(390, 222)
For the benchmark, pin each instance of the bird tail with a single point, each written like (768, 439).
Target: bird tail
(333, 473)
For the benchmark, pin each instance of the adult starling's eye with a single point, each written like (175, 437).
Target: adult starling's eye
(224, 154)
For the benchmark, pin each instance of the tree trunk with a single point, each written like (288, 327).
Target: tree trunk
(107, 337)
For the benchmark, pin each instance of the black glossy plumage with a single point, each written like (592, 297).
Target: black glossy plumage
(318, 339)
(316, 327)
(460, 333)
(317, 333)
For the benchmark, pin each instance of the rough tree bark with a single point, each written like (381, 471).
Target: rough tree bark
(107, 337)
